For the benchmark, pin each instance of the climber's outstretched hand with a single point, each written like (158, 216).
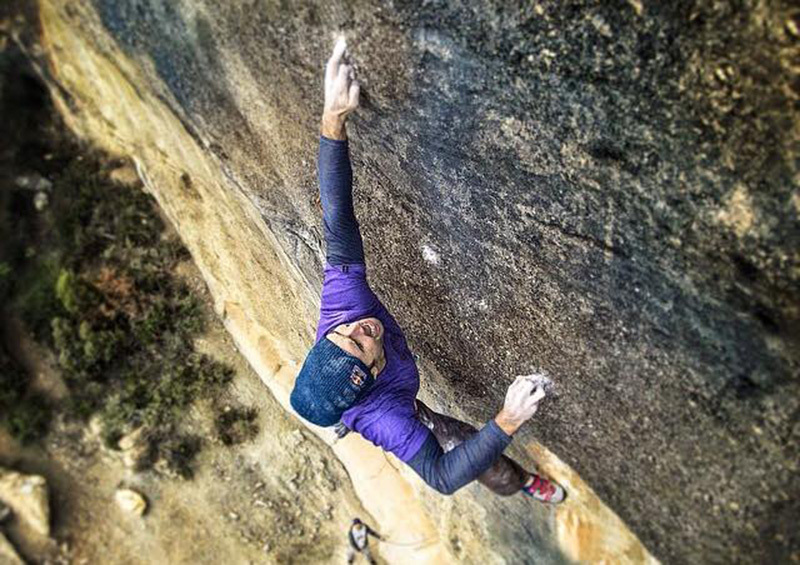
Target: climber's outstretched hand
(522, 401)
(341, 92)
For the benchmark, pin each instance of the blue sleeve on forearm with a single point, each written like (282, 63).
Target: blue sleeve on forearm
(342, 236)
(448, 472)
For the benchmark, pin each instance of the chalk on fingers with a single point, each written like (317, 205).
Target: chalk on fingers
(355, 89)
(339, 48)
(538, 394)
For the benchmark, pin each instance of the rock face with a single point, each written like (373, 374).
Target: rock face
(607, 191)
(28, 498)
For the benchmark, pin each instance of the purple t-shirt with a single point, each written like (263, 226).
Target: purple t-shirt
(385, 415)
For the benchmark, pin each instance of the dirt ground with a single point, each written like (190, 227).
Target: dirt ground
(280, 498)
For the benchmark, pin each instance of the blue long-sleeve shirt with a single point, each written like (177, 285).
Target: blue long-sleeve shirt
(386, 415)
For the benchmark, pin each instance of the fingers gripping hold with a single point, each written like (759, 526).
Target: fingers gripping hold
(522, 400)
(339, 48)
(344, 74)
(355, 90)
(336, 58)
(341, 89)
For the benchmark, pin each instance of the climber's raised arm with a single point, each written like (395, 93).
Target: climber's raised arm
(342, 236)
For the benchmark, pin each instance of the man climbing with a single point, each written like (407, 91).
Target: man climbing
(360, 373)
(359, 542)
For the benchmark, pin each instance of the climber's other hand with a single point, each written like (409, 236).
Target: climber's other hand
(522, 401)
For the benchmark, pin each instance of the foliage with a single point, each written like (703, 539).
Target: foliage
(236, 425)
(34, 299)
(93, 277)
(24, 414)
(5, 279)
(177, 451)
(124, 337)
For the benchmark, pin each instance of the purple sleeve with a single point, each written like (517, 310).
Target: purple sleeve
(346, 296)
(397, 429)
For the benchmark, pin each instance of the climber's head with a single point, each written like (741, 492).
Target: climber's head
(363, 339)
(338, 371)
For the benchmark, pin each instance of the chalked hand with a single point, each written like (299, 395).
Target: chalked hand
(341, 92)
(521, 403)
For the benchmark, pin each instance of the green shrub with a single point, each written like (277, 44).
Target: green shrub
(35, 299)
(24, 414)
(236, 425)
(93, 277)
(28, 420)
(66, 292)
(178, 451)
(5, 280)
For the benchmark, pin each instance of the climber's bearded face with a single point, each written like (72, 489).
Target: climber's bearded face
(362, 339)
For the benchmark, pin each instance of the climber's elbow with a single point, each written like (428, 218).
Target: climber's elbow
(442, 489)
(448, 490)
(437, 470)
(443, 486)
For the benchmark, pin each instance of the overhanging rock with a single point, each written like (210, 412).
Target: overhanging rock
(607, 192)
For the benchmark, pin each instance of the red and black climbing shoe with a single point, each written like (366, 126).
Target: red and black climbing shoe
(544, 490)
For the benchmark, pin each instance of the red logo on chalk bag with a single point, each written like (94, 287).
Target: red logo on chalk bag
(357, 377)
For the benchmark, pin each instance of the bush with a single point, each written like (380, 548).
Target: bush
(236, 425)
(25, 414)
(35, 300)
(126, 325)
(92, 276)
(5, 280)
(28, 420)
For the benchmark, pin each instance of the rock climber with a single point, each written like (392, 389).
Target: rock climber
(360, 373)
(359, 542)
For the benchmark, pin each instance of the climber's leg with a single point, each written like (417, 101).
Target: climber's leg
(505, 477)
(368, 555)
